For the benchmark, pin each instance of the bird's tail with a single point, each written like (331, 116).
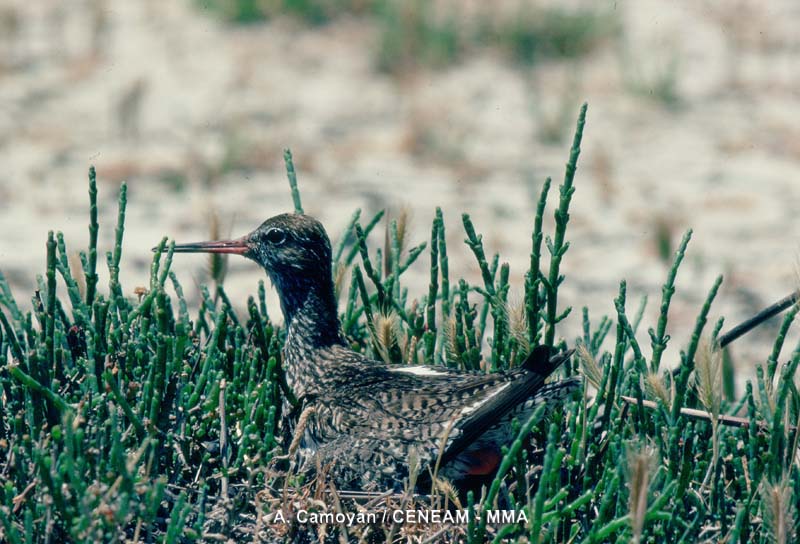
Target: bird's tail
(527, 390)
(554, 393)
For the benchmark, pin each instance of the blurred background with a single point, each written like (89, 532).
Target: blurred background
(694, 121)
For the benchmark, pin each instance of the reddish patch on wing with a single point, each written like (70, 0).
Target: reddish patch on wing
(483, 462)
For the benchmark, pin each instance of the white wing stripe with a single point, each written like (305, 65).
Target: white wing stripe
(418, 370)
(477, 404)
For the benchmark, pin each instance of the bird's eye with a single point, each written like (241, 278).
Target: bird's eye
(275, 236)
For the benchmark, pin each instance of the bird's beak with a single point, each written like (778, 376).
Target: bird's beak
(237, 247)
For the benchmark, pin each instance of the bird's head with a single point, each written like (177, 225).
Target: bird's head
(296, 253)
(290, 247)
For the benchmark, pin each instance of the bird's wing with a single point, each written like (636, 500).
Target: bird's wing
(421, 404)
(479, 417)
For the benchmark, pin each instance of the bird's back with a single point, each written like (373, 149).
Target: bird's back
(371, 420)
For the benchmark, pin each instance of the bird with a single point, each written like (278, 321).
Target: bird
(370, 423)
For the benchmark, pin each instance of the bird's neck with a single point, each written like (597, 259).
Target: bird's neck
(310, 311)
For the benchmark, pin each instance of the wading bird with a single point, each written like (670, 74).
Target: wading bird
(369, 418)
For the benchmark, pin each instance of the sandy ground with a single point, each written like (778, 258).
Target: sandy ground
(193, 114)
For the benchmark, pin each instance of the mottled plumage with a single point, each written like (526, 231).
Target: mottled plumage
(370, 419)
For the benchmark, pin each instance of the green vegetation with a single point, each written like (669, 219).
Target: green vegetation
(413, 36)
(255, 11)
(556, 33)
(132, 418)
(416, 34)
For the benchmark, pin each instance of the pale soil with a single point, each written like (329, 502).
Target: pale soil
(163, 91)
